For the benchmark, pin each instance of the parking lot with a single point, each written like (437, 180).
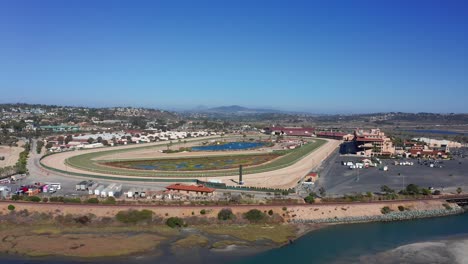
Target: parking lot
(339, 179)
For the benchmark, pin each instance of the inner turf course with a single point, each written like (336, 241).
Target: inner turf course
(87, 162)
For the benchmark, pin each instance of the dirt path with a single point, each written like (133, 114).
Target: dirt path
(296, 212)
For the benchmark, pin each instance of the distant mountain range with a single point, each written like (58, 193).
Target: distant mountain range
(239, 110)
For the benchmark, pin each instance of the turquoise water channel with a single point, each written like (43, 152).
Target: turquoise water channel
(229, 146)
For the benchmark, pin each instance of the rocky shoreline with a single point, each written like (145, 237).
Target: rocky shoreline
(392, 216)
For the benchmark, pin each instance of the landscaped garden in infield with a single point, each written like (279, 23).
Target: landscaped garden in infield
(194, 164)
(227, 165)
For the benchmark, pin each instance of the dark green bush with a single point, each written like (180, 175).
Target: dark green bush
(11, 207)
(225, 214)
(385, 210)
(174, 222)
(203, 211)
(109, 200)
(56, 199)
(71, 200)
(92, 201)
(270, 212)
(310, 199)
(16, 197)
(33, 199)
(254, 215)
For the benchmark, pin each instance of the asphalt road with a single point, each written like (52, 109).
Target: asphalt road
(68, 182)
(338, 179)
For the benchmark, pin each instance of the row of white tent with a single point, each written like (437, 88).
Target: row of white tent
(101, 190)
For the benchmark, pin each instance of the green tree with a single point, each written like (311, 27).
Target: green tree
(174, 222)
(386, 189)
(254, 215)
(310, 199)
(92, 201)
(412, 189)
(425, 191)
(459, 190)
(385, 210)
(225, 214)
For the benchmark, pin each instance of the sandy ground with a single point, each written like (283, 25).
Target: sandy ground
(282, 178)
(11, 154)
(296, 212)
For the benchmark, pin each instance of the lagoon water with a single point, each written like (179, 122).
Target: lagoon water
(229, 146)
(371, 242)
(431, 240)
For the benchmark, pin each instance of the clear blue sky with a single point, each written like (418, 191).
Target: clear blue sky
(319, 56)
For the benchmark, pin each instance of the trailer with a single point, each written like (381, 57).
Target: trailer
(81, 186)
(92, 188)
(130, 193)
(115, 191)
(98, 190)
(55, 185)
(105, 192)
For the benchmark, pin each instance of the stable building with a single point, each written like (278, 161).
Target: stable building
(290, 131)
(191, 189)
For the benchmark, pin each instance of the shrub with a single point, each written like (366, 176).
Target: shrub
(83, 219)
(16, 197)
(45, 199)
(401, 208)
(56, 199)
(33, 199)
(310, 199)
(71, 200)
(285, 208)
(92, 201)
(174, 222)
(134, 216)
(11, 207)
(202, 211)
(254, 215)
(385, 210)
(436, 192)
(425, 191)
(109, 200)
(270, 212)
(225, 214)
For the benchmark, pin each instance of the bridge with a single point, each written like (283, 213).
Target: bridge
(461, 200)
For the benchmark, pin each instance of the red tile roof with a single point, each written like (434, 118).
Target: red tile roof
(369, 139)
(190, 188)
(331, 134)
